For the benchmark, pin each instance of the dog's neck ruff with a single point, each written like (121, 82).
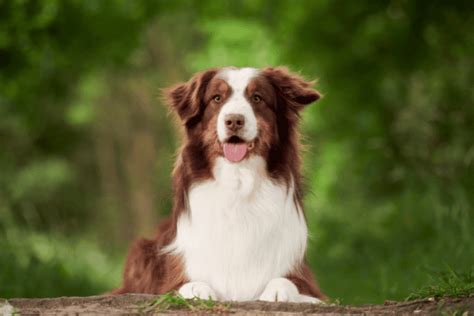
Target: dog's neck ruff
(241, 230)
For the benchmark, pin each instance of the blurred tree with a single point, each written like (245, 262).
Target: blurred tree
(47, 50)
(54, 59)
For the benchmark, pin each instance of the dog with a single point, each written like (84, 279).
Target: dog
(237, 230)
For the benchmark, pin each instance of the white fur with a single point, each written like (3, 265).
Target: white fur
(238, 80)
(241, 231)
(283, 290)
(279, 290)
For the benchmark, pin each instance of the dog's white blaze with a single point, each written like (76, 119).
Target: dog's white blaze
(238, 80)
(242, 230)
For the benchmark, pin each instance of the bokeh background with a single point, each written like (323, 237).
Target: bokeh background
(86, 145)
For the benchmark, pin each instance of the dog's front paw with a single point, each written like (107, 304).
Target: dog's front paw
(279, 290)
(309, 299)
(283, 290)
(197, 289)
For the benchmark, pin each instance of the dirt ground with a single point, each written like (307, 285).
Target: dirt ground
(135, 304)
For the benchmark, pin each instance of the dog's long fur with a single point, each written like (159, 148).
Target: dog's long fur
(235, 226)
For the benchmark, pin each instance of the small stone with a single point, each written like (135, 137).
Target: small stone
(6, 309)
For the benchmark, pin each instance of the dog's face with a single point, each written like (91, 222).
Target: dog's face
(237, 113)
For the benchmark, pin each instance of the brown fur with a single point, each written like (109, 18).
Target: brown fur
(282, 96)
(303, 278)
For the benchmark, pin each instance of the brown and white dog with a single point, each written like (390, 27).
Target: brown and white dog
(237, 230)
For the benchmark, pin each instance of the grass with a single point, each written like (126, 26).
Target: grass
(173, 301)
(333, 301)
(447, 283)
(455, 312)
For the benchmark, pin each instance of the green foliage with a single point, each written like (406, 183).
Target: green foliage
(86, 150)
(46, 49)
(40, 265)
(233, 42)
(447, 283)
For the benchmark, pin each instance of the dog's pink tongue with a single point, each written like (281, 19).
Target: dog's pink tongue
(235, 152)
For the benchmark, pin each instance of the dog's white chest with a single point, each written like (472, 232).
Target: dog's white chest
(241, 231)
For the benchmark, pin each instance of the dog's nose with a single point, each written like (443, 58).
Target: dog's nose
(234, 122)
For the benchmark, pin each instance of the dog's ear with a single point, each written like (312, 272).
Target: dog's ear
(186, 99)
(293, 88)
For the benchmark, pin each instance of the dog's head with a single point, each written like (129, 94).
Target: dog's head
(239, 112)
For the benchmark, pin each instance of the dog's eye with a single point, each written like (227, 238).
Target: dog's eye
(217, 98)
(256, 98)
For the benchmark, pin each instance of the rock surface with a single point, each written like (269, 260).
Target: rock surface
(134, 304)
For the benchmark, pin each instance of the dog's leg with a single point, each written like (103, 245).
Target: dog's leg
(142, 273)
(197, 289)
